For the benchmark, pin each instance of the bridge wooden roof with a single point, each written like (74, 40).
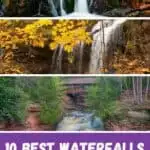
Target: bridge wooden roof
(79, 80)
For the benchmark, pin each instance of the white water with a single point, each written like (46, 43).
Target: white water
(80, 10)
(83, 16)
(80, 121)
(81, 6)
(63, 12)
(104, 39)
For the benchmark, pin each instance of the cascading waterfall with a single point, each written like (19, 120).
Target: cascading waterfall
(104, 38)
(81, 6)
(63, 12)
(81, 9)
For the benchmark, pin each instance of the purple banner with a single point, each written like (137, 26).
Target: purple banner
(74, 141)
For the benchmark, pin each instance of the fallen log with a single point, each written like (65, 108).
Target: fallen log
(141, 8)
(122, 12)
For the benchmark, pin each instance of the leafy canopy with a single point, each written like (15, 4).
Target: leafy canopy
(42, 33)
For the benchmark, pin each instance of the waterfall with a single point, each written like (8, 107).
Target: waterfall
(104, 38)
(81, 6)
(81, 10)
(53, 8)
(62, 11)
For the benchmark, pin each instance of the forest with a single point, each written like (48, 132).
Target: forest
(48, 46)
(54, 8)
(75, 103)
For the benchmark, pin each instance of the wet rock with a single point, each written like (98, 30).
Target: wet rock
(96, 6)
(73, 101)
(2, 9)
(69, 6)
(80, 121)
(28, 8)
(43, 8)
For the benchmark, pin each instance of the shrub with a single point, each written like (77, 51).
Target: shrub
(8, 100)
(45, 91)
(102, 96)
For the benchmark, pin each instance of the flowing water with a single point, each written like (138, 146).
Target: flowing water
(80, 9)
(105, 37)
(81, 6)
(80, 121)
(63, 12)
(53, 8)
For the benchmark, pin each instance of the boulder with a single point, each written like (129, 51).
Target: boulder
(2, 125)
(96, 6)
(139, 115)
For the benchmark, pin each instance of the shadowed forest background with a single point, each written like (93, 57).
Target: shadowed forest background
(56, 8)
(75, 103)
(69, 46)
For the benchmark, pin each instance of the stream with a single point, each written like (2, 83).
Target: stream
(80, 121)
(55, 8)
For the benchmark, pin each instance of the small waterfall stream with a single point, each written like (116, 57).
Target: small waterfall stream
(80, 121)
(104, 38)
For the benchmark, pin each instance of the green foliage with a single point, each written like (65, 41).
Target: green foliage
(127, 82)
(17, 93)
(45, 91)
(102, 96)
(8, 99)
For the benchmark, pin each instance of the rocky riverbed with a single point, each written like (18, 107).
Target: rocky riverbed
(80, 121)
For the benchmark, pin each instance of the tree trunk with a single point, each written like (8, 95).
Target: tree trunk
(141, 89)
(147, 88)
(81, 49)
(134, 90)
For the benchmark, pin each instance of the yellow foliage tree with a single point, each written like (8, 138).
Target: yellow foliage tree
(60, 35)
(40, 33)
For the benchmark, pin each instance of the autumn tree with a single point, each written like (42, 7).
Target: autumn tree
(61, 36)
